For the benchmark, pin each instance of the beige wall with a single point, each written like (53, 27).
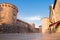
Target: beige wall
(57, 14)
(52, 14)
(8, 14)
(57, 10)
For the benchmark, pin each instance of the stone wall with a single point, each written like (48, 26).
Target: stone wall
(26, 27)
(45, 25)
(55, 14)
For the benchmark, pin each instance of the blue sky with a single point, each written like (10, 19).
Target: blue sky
(31, 11)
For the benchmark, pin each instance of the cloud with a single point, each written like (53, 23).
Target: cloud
(32, 18)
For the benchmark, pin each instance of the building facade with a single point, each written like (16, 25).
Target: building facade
(23, 26)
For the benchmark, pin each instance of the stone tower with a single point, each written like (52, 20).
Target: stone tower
(45, 25)
(8, 14)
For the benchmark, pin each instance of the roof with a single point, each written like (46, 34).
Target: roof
(22, 21)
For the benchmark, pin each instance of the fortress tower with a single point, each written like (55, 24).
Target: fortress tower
(45, 25)
(8, 14)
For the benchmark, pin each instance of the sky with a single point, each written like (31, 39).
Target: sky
(31, 11)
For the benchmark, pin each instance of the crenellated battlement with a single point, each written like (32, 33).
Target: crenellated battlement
(9, 5)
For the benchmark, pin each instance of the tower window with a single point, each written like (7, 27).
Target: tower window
(5, 5)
